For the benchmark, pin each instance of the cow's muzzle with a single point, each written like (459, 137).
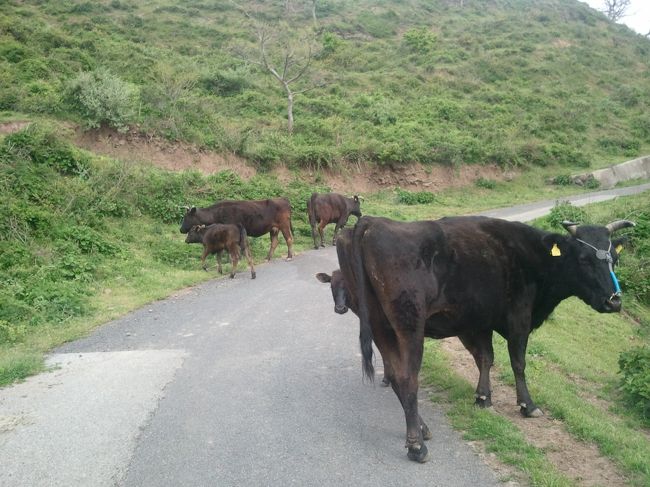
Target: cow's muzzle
(340, 309)
(612, 304)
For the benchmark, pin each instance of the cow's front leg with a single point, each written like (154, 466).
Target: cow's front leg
(480, 346)
(517, 349)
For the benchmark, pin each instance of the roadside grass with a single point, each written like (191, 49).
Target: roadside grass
(572, 374)
(497, 434)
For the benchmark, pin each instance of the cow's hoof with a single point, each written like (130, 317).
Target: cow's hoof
(253, 275)
(232, 276)
(385, 382)
(322, 245)
(426, 432)
(483, 402)
(534, 412)
(420, 455)
(205, 269)
(315, 247)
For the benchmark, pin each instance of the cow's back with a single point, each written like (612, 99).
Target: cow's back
(257, 217)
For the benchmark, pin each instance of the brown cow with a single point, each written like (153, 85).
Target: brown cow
(324, 209)
(217, 238)
(258, 217)
(467, 277)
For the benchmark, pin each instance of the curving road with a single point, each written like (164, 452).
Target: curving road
(233, 382)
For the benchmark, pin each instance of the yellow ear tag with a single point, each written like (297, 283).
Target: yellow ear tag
(619, 248)
(555, 251)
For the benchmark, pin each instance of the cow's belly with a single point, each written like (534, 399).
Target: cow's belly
(448, 323)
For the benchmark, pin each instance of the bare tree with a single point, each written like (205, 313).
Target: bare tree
(284, 56)
(615, 9)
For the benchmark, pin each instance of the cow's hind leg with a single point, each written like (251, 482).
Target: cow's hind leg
(274, 242)
(218, 257)
(234, 261)
(480, 346)
(288, 237)
(321, 232)
(249, 258)
(403, 368)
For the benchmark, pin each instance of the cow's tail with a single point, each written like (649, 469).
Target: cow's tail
(243, 239)
(359, 271)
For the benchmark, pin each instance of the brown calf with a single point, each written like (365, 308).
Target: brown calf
(218, 237)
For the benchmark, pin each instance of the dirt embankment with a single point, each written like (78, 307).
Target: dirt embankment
(360, 179)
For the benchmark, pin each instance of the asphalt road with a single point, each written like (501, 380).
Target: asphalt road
(232, 382)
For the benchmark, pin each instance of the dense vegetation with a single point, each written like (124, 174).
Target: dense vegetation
(510, 82)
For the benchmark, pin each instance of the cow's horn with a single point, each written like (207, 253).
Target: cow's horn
(619, 224)
(570, 227)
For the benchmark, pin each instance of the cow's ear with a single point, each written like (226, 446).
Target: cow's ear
(619, 244)
(554, 243)
(192, 210)
(356, 198)
(322, 277)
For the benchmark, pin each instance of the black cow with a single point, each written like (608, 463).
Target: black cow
(467, 277)
(343, 299)
(323, 209)
(258, 218)
(218, 237)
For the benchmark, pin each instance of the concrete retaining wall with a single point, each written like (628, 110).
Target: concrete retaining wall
(635, 169)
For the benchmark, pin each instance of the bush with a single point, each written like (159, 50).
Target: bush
(414, 197)
(99, 98)
(42, 145)
(485, 183)
(635, 369)
(565, 211)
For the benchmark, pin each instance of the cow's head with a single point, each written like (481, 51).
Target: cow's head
(189, 220)
(195, 235)
(355, 206)
(587, 258)
(339, 290)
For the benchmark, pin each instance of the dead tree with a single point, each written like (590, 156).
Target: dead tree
(615, 9)
(286, 58)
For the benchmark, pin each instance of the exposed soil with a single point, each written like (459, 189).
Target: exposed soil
(361, 179)
(579, 461)
(11, 127)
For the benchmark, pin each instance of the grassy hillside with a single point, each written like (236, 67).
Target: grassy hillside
(514, 82)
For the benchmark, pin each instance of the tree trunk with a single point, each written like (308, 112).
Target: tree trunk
(289, 110)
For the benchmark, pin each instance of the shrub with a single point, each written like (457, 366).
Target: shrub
(635, 368)
(100, 97)
(420, 40)
(485, 183)
(42, 145)
(565, 211)
(414, 197)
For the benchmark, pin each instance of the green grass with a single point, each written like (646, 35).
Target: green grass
(527, 83)
(497, 434)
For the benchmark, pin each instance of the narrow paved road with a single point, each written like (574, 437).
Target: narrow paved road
(231, 382)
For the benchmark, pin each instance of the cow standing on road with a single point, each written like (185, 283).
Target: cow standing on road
(258, 218)
(467, 277)
(323, 209)
(218, 237)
